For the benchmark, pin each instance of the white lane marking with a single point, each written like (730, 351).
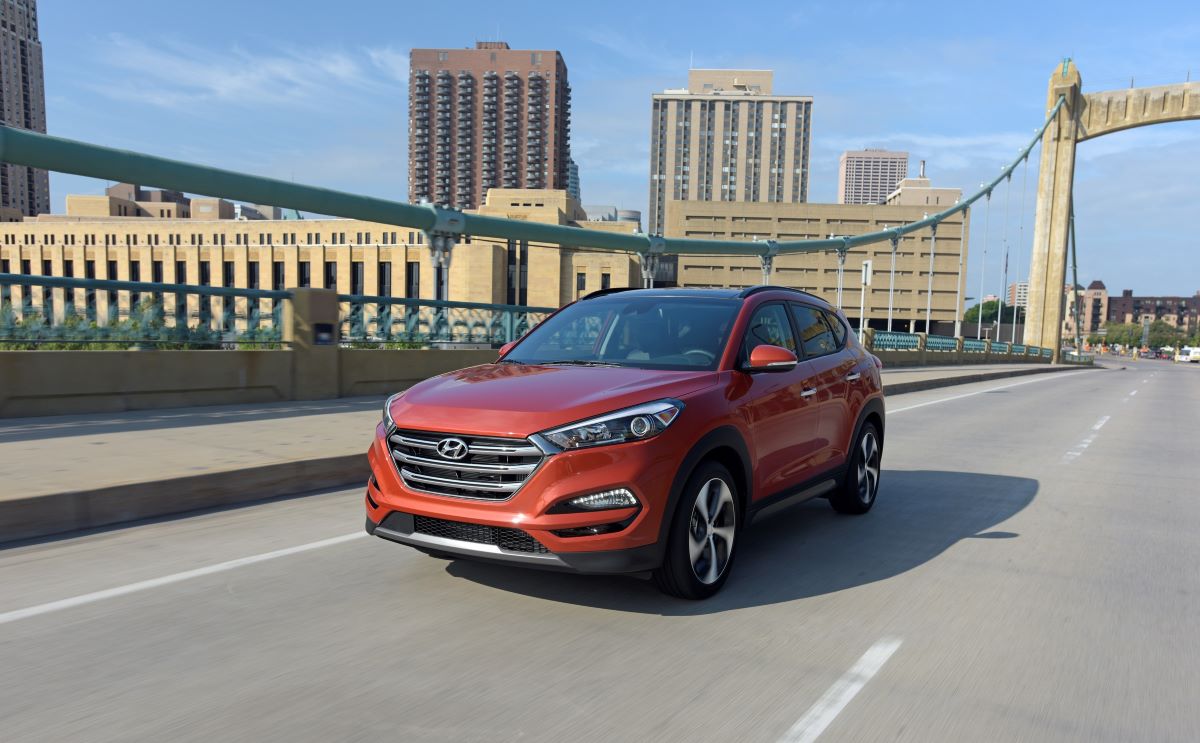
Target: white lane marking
(1082, 446)
(827, 708)
(1131, 394)
(108, 593)
(1057, 375)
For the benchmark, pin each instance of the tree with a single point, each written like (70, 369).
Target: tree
(989, 313)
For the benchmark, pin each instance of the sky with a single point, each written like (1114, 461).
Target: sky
(316, 92)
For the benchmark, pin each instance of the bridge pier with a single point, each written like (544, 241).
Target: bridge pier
(1048, 267)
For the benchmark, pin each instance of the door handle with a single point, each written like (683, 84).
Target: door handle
(808, 392)
(853, 377)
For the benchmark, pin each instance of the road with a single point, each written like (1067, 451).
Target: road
(1031, 572)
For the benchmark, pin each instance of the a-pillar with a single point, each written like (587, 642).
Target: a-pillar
(310, 328)
(1047, 270)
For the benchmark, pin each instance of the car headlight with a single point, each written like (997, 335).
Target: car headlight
(631, 424)
(387, 411)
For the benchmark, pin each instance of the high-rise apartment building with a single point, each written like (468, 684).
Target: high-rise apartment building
(22, 103)
(868, 176)
(488, 117)
(1018, 294)
(728, 137)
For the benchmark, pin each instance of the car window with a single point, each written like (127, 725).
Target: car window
(769, 326)
(652, 332)
(816, 336)
(839, 328)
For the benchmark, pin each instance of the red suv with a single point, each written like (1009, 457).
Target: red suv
(634, 430)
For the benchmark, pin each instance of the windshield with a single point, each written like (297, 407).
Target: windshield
(637, 331)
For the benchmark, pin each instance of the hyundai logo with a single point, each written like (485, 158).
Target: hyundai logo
(452, 448)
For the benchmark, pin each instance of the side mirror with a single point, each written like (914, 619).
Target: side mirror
(771, 359)
(506, 348)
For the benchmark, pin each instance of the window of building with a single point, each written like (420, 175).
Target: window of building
(112, 270)
(227, 273)
(331, 275)
(412, 279)
(89, 269)
(205, 273)
(68, 268)
(47, 268)
(180, 272)
(443, 56)
(356, 277)
(385, 280)
(252, 275)
(580, 282)
(277, 275)
(305, 274)
(605, 281)
(156, 271)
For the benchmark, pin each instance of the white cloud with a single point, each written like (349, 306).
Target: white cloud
(176, 74)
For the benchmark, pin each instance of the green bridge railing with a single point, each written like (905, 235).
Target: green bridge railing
(52, 312)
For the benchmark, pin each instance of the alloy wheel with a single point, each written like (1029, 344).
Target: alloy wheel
(868, 466)
(711, 530)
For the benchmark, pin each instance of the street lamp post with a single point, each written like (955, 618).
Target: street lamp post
(892, 280)
(929, 290)
(958, 287)
(862, 301)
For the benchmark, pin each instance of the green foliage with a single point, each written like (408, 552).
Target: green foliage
(989, 313)
(145, 326)
(1130, 334)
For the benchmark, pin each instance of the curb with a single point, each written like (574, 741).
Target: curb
(58, 513)
(933, 384)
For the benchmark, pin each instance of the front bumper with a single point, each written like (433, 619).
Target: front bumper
(632, 560)
(645, 468)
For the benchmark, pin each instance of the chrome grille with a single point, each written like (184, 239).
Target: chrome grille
(493, 468)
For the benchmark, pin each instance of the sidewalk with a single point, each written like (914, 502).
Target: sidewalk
(66, 473)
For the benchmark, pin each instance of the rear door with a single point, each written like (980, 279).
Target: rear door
(823, 339)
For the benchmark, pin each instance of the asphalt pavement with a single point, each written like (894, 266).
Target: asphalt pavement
(1030, 572)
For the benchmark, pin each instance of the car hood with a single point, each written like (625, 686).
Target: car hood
(518, 400)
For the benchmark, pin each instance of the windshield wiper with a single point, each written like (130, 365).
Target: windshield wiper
(578, 363)
(511, 361)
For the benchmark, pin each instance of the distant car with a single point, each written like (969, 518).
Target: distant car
(1186, 354)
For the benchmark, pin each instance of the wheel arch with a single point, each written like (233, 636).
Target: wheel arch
(724, 445)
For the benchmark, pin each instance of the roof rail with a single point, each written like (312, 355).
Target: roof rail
(751, 290)
(606, 292)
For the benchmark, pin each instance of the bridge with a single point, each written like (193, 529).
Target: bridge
(1028, 572)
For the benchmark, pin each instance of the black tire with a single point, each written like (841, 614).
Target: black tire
(861, 484)
(700, 550)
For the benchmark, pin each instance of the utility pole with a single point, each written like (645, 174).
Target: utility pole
(892, 279)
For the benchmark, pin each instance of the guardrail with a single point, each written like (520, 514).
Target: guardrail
(380, 322)
(48, 312)
(886, 340)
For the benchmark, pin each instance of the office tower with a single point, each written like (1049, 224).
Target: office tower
(22, 103)
(868, 176)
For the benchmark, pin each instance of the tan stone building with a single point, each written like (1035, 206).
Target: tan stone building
(727, 137)
(817, 272)
(350, 256)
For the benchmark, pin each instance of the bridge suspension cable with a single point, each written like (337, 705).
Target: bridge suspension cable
(1020, 244)
(1004, 263)
(20, 147)
(987, 226)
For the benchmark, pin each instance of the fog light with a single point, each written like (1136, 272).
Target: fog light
(590, 531)
(619, 498)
